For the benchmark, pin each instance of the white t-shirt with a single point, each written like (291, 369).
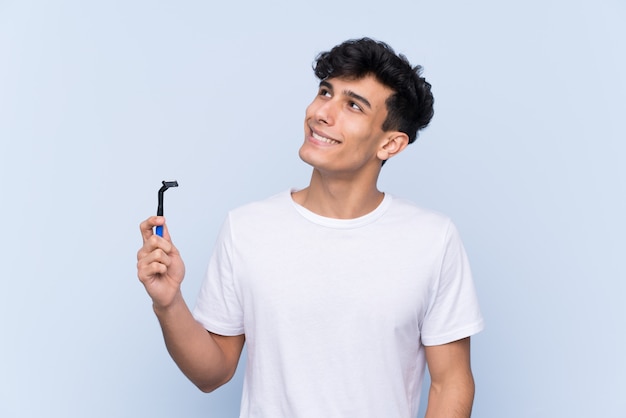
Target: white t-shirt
(336, 312)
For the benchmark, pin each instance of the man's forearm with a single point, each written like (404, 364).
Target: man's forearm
(193, 349)
(453, 400)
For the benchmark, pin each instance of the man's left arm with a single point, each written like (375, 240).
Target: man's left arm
(452, 384)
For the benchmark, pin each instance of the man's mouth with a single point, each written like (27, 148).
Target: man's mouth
(324, 139)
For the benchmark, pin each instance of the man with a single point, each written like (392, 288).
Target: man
(343, 293)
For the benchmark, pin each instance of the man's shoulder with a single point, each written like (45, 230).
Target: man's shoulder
(409, 210)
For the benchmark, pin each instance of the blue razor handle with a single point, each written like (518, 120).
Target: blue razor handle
(159, 230)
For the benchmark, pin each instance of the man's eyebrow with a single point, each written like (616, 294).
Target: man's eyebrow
(348, 93)
(360, 98)
(326, 84)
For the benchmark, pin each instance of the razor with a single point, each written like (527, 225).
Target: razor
(166, 185)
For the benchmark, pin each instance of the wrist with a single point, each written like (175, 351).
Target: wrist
(162, 309)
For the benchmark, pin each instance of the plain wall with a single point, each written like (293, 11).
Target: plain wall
(101, 100)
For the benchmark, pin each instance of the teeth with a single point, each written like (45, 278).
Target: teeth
(324, 139)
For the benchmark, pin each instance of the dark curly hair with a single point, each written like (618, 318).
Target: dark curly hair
(410, 107)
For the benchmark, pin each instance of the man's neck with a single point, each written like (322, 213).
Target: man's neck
(339, 198)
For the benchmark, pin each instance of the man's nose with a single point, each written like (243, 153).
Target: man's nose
(326, 111)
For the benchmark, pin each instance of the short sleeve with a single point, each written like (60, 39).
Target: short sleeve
(453, 312)
(218, 307)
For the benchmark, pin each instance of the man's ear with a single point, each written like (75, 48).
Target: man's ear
(394, 143)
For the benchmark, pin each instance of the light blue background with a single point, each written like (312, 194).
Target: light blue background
(101, 100)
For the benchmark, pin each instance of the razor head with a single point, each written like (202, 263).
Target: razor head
(168, 184)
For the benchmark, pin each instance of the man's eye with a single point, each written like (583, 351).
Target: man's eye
(324, 92)
(355, 106)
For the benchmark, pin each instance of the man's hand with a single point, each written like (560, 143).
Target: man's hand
(159, 265)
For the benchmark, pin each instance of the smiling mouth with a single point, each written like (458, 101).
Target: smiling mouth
(324, 139)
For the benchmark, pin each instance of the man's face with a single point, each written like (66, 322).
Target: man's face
(343, 126)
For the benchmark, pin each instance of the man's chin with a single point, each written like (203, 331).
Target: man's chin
(304, 156)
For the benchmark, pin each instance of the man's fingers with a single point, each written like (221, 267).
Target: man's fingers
(149, 254)
(150, 264)
(146, 272)
(147, 226)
